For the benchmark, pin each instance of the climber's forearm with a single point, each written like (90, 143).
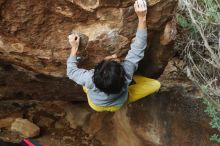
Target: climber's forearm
(142, 23)
(73, 51)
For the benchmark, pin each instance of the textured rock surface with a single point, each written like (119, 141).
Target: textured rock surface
(17, 83)
(155, 121)
(172, 117)
(25, 127)
(6, 122)
(33, 53)
(75, 115)
(34, 34)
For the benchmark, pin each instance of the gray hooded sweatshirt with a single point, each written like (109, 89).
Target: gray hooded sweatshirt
(130, 64)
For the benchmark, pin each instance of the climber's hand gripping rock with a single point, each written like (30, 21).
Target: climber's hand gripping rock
(74, 40)
(140, 7)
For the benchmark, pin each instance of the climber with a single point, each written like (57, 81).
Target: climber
(107, 85)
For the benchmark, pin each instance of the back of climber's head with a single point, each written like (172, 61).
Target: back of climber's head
(109, 76)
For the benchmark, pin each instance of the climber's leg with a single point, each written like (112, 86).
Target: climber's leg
(143, 87)
(100, 108)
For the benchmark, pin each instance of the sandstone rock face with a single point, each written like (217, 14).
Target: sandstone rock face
(33, 34)
(17, 83)
(171, 117)
(6, 122)
(25, 127)
(33, 38)
(76, 115)
(6, 119)
(33, 53)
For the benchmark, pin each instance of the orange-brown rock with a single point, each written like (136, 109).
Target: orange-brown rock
(33, 38)
(33, 53)
(25, 127)
(33, 34)
(171, 117)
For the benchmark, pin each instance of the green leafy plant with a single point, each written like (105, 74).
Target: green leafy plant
(182, 21)
(215, 120)
(215, 137)
(200, 22)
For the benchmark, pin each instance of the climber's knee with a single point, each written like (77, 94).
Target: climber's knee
(157, 85)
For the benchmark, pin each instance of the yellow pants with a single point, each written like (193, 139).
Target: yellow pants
(143, 87)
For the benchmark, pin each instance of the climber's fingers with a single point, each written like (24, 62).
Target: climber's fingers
(77, 38)
(70, 36)
(135, 5)
(114, 56)
(145, 4)
(141, 5)
(74, 37)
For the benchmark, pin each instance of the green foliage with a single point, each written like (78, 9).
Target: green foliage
(211, 9)
(198, 45)
(207, 16)
(215, 137)
(215, 120)
(181, 20)
(204, 89)
(187, 24)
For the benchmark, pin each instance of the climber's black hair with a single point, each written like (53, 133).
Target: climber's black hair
(109, 76)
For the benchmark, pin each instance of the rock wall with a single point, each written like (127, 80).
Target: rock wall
(171, 117)
(33, 53)
(33, 38)
(17, 83)
(33, 34)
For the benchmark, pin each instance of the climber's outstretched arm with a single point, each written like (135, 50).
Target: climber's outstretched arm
(80, 76)
(136, 53)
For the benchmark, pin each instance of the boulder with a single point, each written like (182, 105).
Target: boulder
(171, 117)
(6, 122)
(33, 53)
(76, 114)
(33, 39)
(25, 127)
